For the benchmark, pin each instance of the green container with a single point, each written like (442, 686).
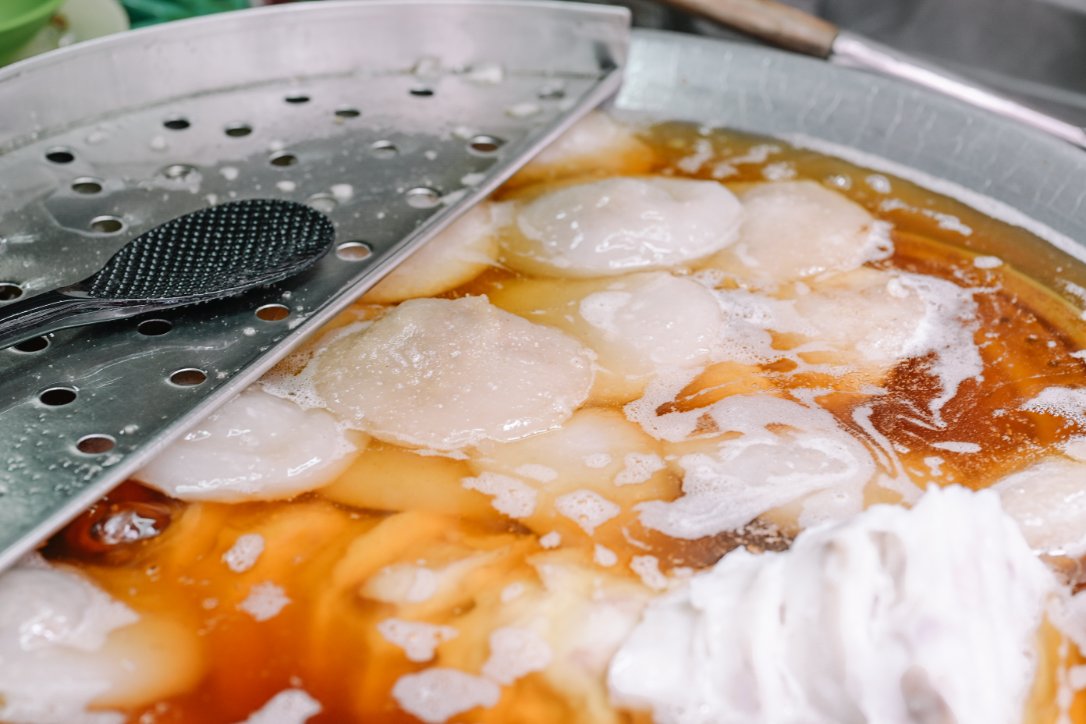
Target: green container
(20, 20)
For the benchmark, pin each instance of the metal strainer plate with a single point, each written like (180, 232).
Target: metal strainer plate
(392, 117)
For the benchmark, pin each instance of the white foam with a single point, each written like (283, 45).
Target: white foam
(957, 446)
(552, 539)
(586, 508)
(511, 496)
(604, 556)
(639, 467)
(434, 695)
(419, 640)
(290, 706)
(1066, 402)
(515, 652)
(265, 601)
(647, 569)
(244, 553)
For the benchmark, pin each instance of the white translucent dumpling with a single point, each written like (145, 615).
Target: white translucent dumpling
(255, 447)
(597, 143)
(455, 256)
(619, 225)
(637, 325)
(797, 229)
(67, 647)
(872, 317)
(1048, 501)
(443, 374)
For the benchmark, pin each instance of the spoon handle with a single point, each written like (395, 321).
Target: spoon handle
(53, 310)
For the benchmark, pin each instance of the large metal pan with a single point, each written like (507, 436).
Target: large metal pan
(1007, 170)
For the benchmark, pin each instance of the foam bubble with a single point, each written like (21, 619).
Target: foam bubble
(515, 652)
(434, 695)
(418, 639)
(244, 553)
(586, 508)
(265, 601)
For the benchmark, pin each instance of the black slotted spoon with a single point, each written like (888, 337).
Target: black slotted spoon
(209, 254)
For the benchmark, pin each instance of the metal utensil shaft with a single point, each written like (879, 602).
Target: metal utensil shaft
(792, 29)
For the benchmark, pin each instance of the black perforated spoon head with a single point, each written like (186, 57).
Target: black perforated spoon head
(209, 254)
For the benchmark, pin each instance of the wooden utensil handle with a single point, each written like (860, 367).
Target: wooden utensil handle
(773, 22)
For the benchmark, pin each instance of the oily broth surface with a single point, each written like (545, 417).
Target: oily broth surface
(321, 553)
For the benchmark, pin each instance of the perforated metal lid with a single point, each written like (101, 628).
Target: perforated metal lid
(391, 117)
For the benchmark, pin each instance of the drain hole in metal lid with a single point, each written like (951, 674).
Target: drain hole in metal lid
(188, 377)
(423, 197)
(354, 251)
(34, 344)
(106, 224)
(87, 185)
(176, 123)
(422, 92)
(297, 98)
(485, 145)
(384, 149)
(324, 203)
(9, 291)
(283, 159)
(57, 396)
(237, 130)
(59, 155)
(348, 113)
(95, 444)
(154, 327)
(273, 312)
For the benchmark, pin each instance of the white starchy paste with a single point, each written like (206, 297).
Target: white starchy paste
(265, 601)
(871, 620)
(418, 639)
(596, 140)
(1048, 501)
(622, 224)
(255, 447)
(443, 374)
(434, 695)
(290, 706)
(647, 569)
(244, 553)
(769, 452)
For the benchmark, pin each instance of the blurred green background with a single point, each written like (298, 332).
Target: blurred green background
(149, 12)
